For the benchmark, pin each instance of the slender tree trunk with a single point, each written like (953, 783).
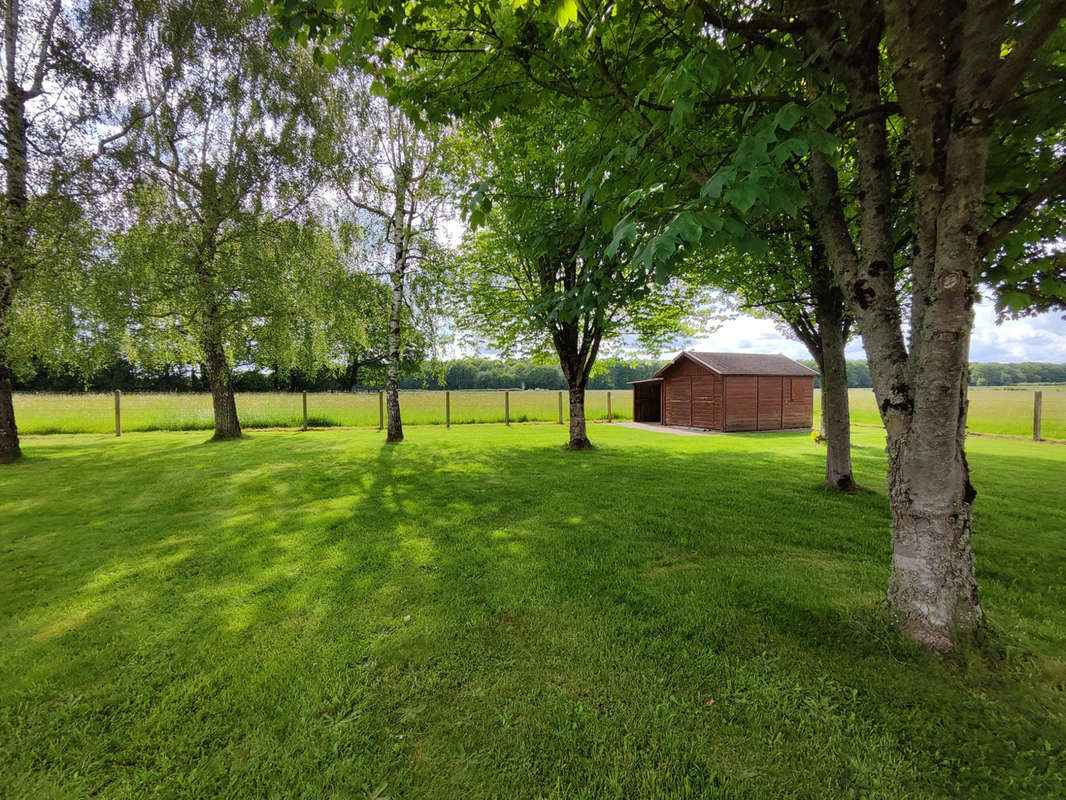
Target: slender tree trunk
(836, 415)
(399, 268)
(9, 438)
(220, 378)
(579, 439)
(14, 237)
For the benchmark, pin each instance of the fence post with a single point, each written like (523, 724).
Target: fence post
(381, 410)
(118, 412)
(447, 409)
(1038, 407)
(608, 406)
(305, 409)
(560, 408)
(507, 408)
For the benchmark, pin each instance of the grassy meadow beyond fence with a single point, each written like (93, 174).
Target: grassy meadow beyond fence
(1001, 410)
(95, 413)
(996, 410)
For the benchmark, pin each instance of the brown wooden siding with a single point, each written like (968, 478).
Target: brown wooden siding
(677, 400)
(741, 402)
(798, 404)
(696, 396)
(769, 402)
(707, 401)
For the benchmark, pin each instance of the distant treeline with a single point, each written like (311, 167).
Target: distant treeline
(464, 373)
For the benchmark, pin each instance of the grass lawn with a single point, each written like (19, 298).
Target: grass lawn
(479, 613)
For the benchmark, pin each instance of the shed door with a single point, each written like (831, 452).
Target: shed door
(770, 403)
(678, 392)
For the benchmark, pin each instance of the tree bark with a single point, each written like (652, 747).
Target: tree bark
(579, 439)
(932, 587)
(400, 232)
(9, 437)
(220, 378)
(577, 350)
(836, 414)
(15, 233)
(943, 88)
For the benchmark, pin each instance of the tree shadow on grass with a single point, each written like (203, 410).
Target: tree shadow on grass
(440, 613)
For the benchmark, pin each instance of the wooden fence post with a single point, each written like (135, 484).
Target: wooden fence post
(507, 408)
(305, 410)
(608, 406)
(1038, 407)
(118, 412)
(381, 410)
(560, 408)
(447, 409)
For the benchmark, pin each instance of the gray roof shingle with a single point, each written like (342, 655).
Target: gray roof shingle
(744, 364)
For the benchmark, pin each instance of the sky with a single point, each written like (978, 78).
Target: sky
(1041, 338)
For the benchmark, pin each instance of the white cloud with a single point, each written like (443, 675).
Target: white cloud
(1041, 338)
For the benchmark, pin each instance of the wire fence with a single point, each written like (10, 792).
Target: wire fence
(47, 413)
(1029, 411)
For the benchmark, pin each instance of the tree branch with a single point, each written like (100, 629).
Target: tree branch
(998, 231)
(1030, 39)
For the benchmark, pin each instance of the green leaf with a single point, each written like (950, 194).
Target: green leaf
(625, 229)
(566, 13)
(787, 116)
(742, 196)
(713, 188)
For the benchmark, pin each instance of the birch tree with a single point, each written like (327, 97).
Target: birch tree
(240, 139)
(63, 66)
(393, 176)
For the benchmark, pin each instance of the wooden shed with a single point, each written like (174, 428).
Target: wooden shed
(728, 392)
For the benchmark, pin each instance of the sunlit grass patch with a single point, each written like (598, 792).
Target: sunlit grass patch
(479, 612)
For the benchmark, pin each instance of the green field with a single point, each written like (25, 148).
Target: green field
(95, 413)
(479, 613)
(999, 410)
(993, 410)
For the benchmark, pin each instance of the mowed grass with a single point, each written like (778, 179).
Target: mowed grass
(479, 613)
(995, 410)
(47, 413)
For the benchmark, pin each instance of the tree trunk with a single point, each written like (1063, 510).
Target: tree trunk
(14, 237)
(933, 588)
(579, 439)
(399, 267)
(9, 436)
(220, 377)
(353, 374)
(836, 415)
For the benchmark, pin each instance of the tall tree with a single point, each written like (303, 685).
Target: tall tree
(393, 175)
(546, 271)
(241, 137)
(63, 66)
(794, 284)
(724, 100)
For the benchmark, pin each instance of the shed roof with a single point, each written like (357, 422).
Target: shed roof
(744, 364)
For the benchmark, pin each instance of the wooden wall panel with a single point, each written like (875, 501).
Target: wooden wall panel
(799, 403)
(677, 400)
(741, 409)
(707, 401)
(770, 402)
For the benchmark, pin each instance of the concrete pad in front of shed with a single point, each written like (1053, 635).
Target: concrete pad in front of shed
(674, 429)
